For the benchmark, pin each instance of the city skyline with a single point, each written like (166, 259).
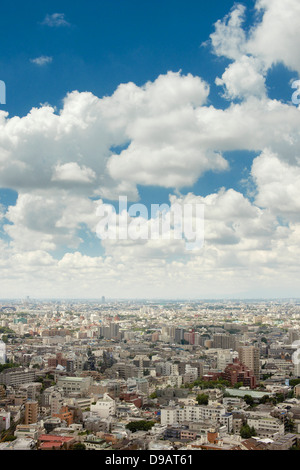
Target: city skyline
(149, 376)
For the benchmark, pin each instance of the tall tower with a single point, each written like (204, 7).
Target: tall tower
(31, 412)
(249, 355)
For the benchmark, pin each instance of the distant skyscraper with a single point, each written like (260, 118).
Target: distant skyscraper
(249, 355)
(111, 331)
(114, 330)
(103, 300)
(179, 335)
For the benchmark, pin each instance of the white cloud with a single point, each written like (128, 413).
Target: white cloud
(272, 39)
(42, 60)
(278, 186)
(244, 78)
(72, 172)
(275, 38)
(245, 248)
(55, 20)
(158, 122)
(229, 38)
(49, 220)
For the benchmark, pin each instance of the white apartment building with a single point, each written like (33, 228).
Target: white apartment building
(82, 403)
(175, 414)
(105, 407)
(192, 371)
(126, 410)
(234, 402)
(167, 368)
(74, 384)
(175, 381)
(225, 357)
(266, 426)
(29, 431)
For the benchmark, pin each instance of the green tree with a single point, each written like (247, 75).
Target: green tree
(135, 426)
(249, 400)
(290, 426)
(7, 366)
(78, 446)
(238, 385)
(264, 399)
(202, 399)
(246, 432)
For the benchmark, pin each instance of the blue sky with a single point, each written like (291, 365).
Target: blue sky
(103, 44)
(152, 100)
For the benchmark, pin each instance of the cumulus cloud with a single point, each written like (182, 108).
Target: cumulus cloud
(244, 78)
(278, 185)
(229, 38)
(245, 246)
(271, 39)
(72, 172)
(157, 124)
(254, 51)
(274, 38)
(49, 220)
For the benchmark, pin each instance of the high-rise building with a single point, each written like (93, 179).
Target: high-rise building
(225, 357)
(249, 355)
(111, 331)
(238, 372)
(223, 341)
(31, 412)
(179, 335)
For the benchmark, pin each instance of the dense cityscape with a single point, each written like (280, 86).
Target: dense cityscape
(149, 375)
